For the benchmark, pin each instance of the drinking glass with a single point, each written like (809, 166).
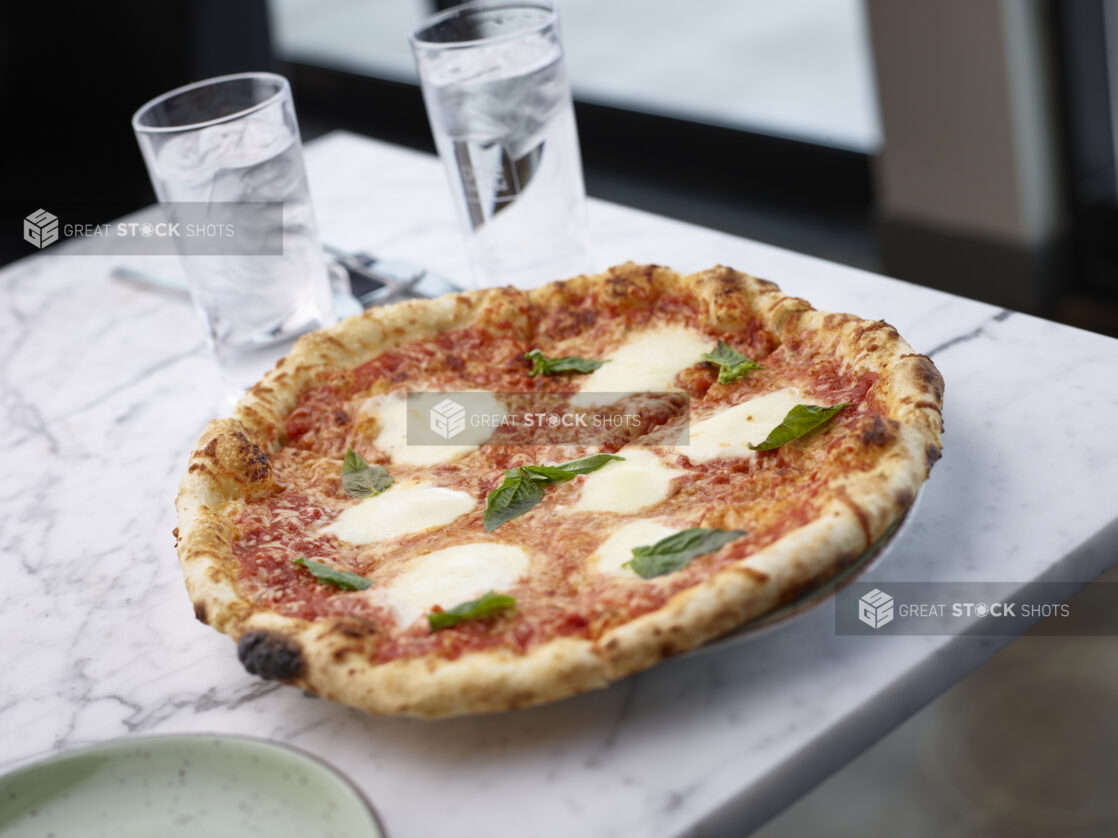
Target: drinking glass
(231, 146)
(499, 102)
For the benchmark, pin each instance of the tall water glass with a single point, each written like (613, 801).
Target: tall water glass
(499, 102)
(232, 144)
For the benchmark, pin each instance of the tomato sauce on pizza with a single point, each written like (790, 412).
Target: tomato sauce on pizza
(762, 422)
(767, 494)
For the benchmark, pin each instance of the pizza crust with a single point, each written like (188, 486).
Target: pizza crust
(230, 464)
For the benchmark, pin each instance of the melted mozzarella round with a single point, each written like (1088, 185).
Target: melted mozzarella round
(393, 414)
(618, 548)
(639, 481)
(452, 576)
(647, 362)
(729, 432)
(400, 510)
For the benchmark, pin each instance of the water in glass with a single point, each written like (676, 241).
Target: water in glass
(505, 128)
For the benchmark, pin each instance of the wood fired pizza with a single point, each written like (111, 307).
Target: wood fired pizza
(765, 446)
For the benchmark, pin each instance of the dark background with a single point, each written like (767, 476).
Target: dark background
(72, 75)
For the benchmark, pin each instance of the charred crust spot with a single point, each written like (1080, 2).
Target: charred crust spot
(754, 574)
(926, 374)
(812, 583)
(619, 286)
(353, 627)
(876, 431)
(794, 592)
(932, 453)
(613, 644)
(869, 326)
(930, 405)
(271, 656)
(235, 453)
(254, 462)
(567, 320)
(216, 574)
(357, 630)
(341, 417)
(175, 533)
(728, 280)
(629, 283)
(859, 513)
(200, 612)
(904, 497)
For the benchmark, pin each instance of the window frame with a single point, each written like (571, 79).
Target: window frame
(660, 149)
(1083, 81)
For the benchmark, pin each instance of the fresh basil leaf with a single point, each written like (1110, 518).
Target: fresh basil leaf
(333, 576)
(733, 365)
(585, 465)
(563, 472)
(523, 487)
(516, 495)
(546, 475)
(676, 551)
(542, 365)
(490, 604)
(801, 419)
(361, 480)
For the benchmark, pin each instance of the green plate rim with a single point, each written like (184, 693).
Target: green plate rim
(140, 741)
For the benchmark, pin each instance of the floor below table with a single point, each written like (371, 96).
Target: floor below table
(1024, 746)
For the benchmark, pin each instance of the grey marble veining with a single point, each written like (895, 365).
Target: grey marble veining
(104, 388)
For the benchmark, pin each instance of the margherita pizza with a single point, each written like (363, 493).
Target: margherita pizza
(773, 444)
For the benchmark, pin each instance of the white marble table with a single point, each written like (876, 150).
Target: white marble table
(104, 387)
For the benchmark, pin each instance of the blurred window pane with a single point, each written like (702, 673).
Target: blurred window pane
(369, 37)
(796, 68)
(793, 68)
